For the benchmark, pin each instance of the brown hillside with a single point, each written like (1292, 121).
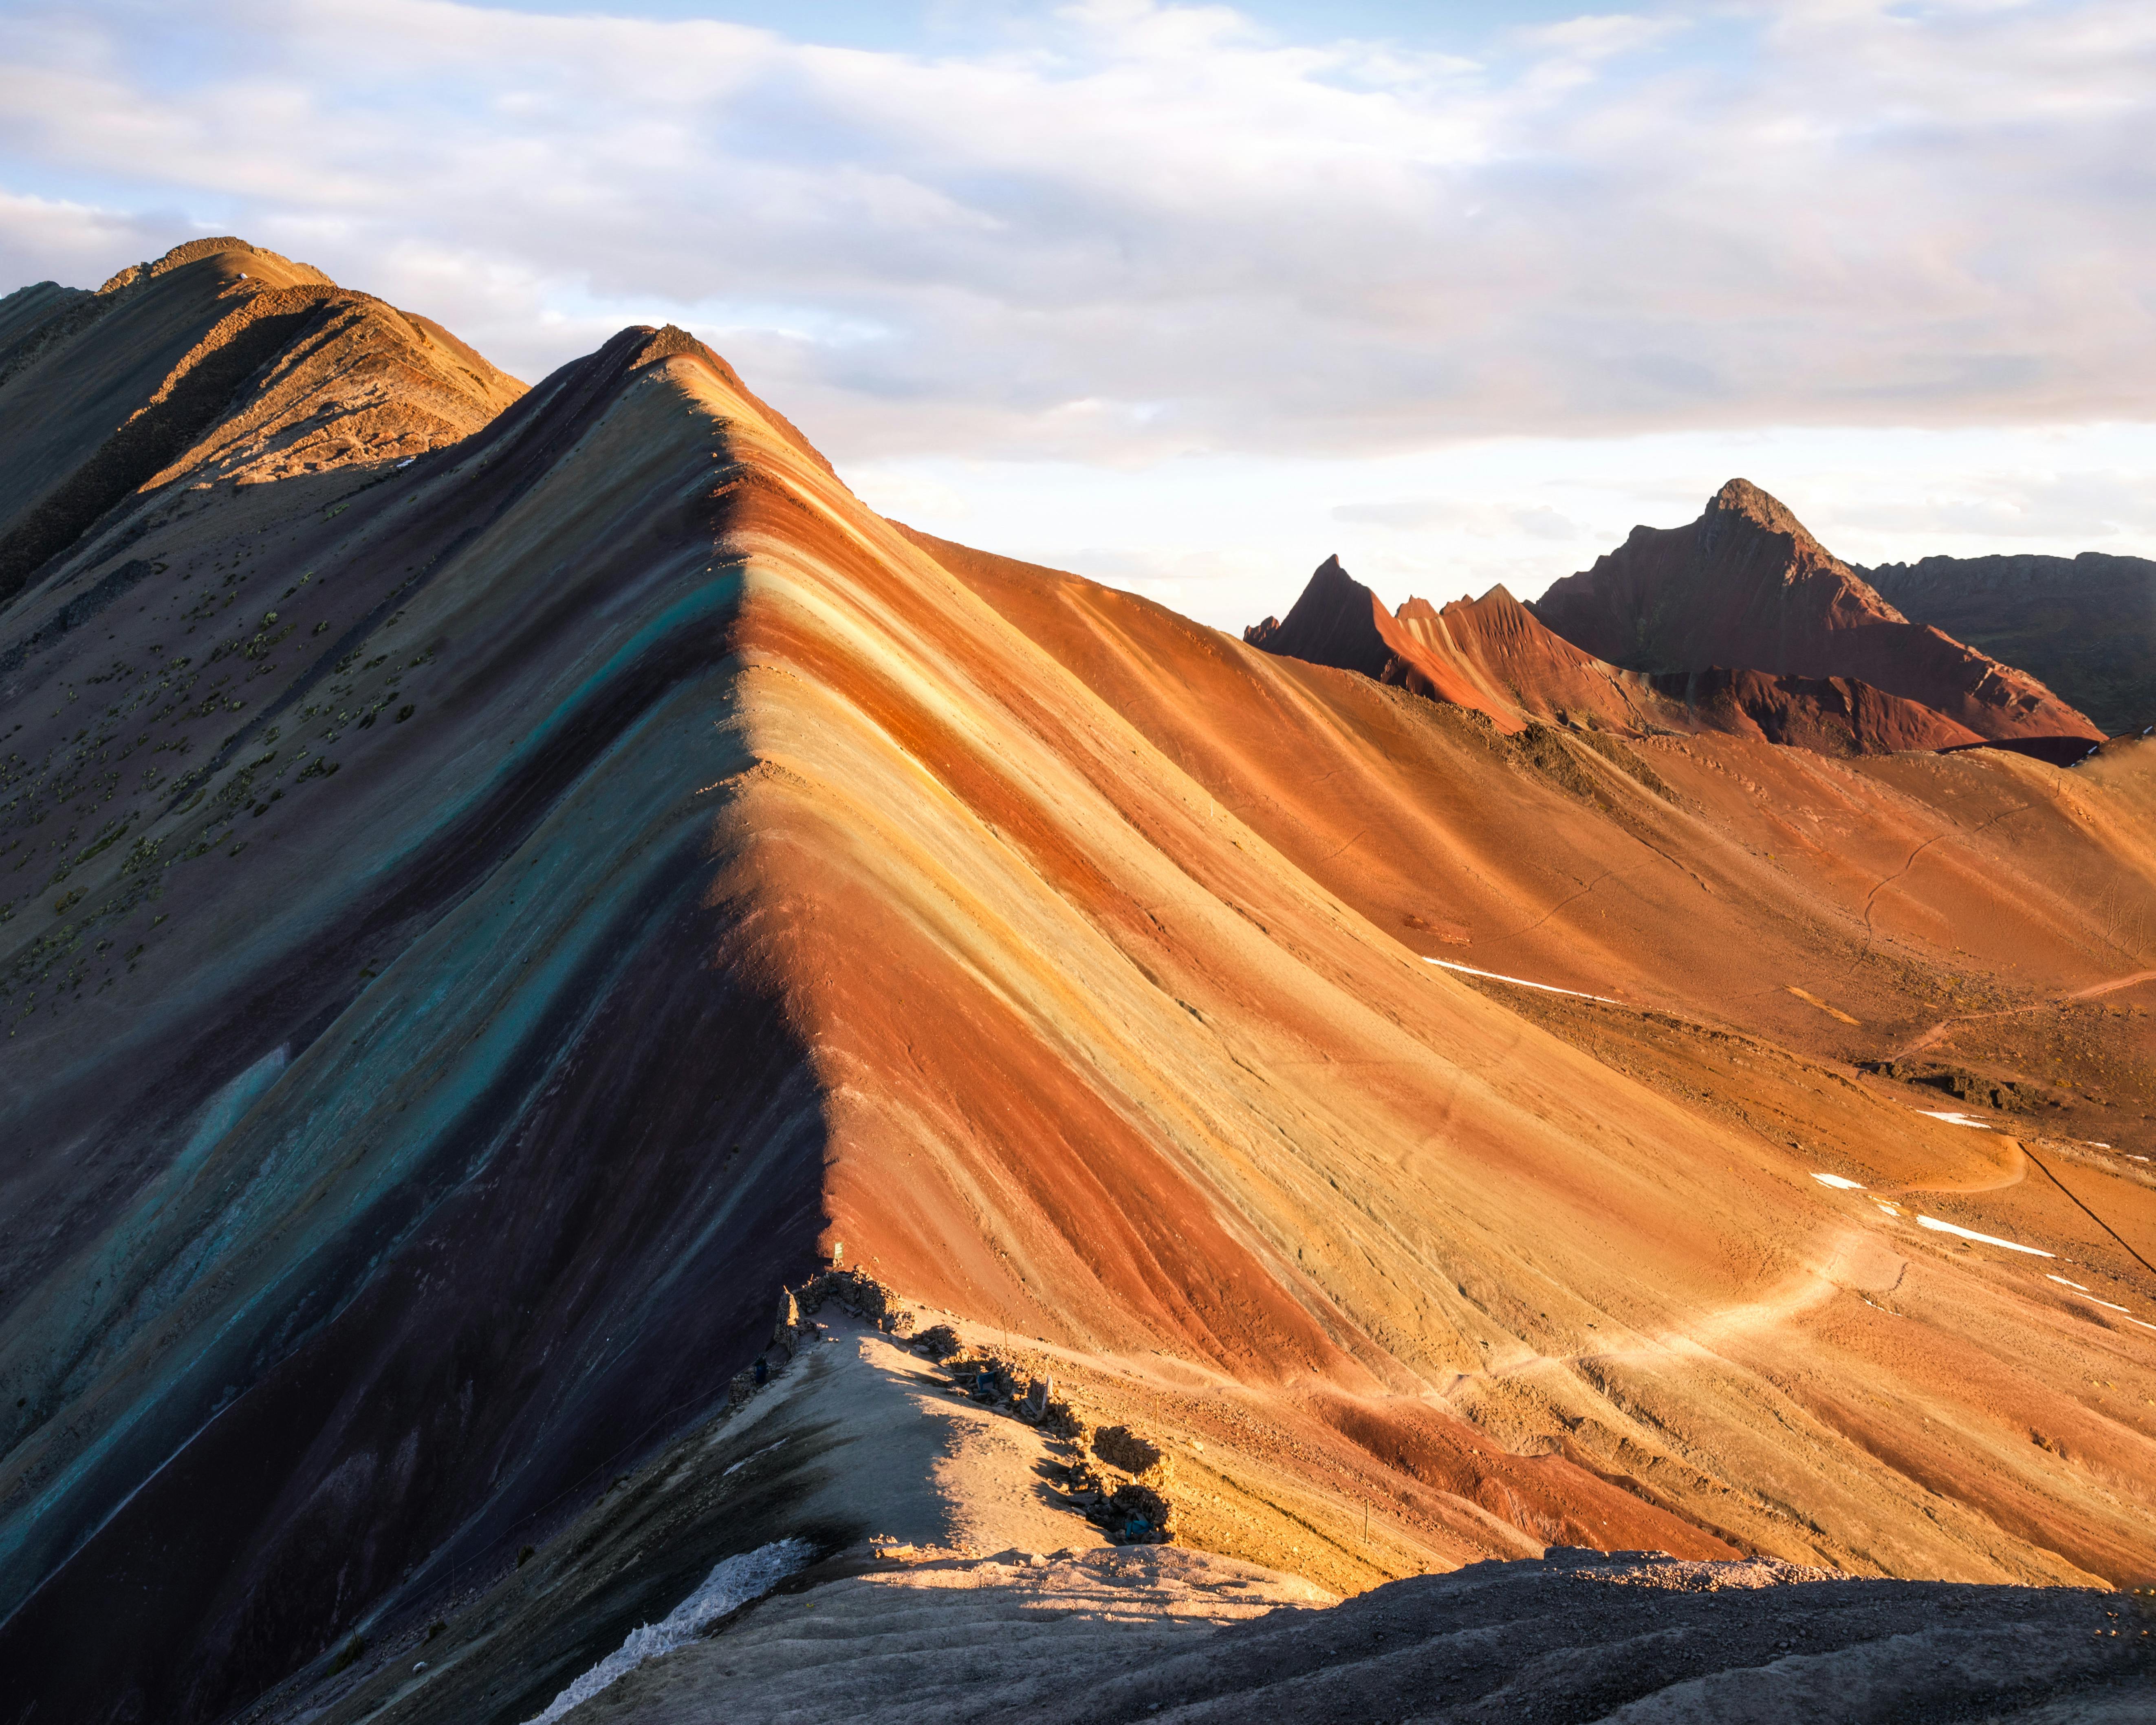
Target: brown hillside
(104, 398)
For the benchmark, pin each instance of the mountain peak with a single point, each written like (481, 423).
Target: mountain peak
(279, 270)
(1337, 621)
(1741, 498)
(1746, 586)
(672, 341)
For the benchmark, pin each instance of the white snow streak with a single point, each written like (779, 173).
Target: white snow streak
(734, 1582)
(2123, 1312)
(750, 1457)
(1521, 981)
(1938, 1227)
(1839, 1183)
(1952, 1118)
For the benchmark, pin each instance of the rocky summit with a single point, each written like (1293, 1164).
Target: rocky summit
(1746, 586)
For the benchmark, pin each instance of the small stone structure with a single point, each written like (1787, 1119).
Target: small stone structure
(939, 1341)
(1140, 1457)
(860, 1293)
(795, 1327)
(1136, 1515)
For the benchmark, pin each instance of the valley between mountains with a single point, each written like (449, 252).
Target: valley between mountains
(496, 881)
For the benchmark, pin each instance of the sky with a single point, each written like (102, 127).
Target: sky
(1188, 297)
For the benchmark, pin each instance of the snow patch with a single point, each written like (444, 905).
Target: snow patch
(1953, 1117)
(751, 1456)
(1938, 1227)
(1839, 1183)
(2123, 1312)
(732, 1584)
(1520, 982)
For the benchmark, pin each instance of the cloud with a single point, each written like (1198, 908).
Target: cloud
(78, 245)
(1474, 517)
(2081, 509)
(1121, 232)
(1228, 539)
(1597, 37)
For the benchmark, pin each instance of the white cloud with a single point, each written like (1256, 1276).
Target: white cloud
(1810, 211)
(1598, 36)
(77, 244)
(1229, 539)
(1123, 260)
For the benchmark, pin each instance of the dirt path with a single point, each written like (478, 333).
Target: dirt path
(2113, 986)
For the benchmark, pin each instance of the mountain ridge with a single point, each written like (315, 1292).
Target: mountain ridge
(2086, 624)
(487, 922)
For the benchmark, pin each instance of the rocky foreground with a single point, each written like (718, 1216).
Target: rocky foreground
(736, 1577)
(1165, 1634)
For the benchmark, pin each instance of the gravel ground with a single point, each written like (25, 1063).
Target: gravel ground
(1167, 1635)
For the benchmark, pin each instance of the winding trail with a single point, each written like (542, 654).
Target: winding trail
(1909, 862)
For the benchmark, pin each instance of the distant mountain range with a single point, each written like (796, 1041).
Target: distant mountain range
(1740, 622)
(2086, 625)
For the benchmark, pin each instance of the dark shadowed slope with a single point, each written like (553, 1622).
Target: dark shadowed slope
(32, 317)
(2086, 625)
(1746, 586)
(402, 1114)
(1577, 1637)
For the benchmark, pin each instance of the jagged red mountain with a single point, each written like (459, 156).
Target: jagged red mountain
(1746, 586)
(1495, 656)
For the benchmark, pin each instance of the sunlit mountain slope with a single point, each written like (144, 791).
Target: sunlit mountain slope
(478, 925)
